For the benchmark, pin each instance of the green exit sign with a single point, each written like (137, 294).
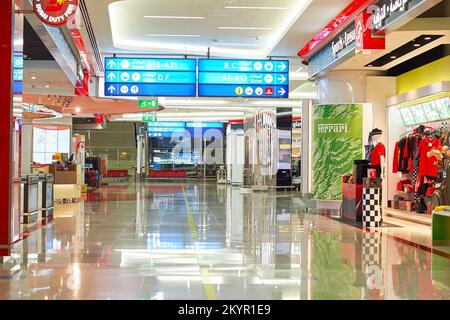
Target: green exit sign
(148, 104)
(147, 118)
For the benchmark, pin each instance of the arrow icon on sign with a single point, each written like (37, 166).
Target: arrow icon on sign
(281, 91)
(281, 78)
(111, 63)
(111, 76)
(282, 66)
(111, 89)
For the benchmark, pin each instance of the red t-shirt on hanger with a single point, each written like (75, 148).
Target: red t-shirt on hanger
(427, 166)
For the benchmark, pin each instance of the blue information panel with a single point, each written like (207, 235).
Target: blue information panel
(150, 77)
(170, 124)
(243, 78)
(18, 74)
(218, 125)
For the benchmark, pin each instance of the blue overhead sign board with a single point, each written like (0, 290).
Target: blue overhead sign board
(243, 78)
(218, 125)
(18, 74)
(150, 77)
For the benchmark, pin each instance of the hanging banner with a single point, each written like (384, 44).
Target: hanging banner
(337, 140)
(55, 13)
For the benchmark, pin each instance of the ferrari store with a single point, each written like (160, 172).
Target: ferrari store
(418, 143)
(378, 140)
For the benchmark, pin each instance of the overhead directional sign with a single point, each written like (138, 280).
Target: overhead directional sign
(18, 74)
(243, 78)
(150, 77)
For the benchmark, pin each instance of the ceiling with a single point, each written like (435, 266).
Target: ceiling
(410, 31)
(244, 28)
(230, 28)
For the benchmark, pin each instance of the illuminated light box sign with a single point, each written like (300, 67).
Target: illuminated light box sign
(18, 74)
(204, 125)
(151, 104)
(165, 129)
(243, 78)
(170, 124)
(149, 118)
(150, 77)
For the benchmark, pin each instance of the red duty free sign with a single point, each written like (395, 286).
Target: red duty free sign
(55, 13)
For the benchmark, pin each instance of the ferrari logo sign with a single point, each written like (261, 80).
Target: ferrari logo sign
(55, 13)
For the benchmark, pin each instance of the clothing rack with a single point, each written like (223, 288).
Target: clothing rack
(408, 131)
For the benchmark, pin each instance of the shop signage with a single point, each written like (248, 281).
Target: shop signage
(55, 13)
(337, 140)
(332, 128)
(385, 12)
(365, 33)
(365, 40)
(243, 78)
(297, 124)
(343, 41)
(150, 77)
(148, 104)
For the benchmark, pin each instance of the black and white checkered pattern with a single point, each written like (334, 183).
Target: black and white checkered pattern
(415, 176)
(371, 216)
(371, 248)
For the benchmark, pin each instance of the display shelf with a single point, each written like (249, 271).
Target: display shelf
(424, 219)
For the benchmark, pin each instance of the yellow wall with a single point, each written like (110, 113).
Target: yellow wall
(431, 73)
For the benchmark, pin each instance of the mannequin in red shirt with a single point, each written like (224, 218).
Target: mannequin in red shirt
(378, 155)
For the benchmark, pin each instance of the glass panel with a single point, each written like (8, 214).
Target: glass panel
(431, 111)
(39, 157)
(64, 141)
(407, 116)
(419, 114)
(38, 140)
(51, 141)
(443, 107)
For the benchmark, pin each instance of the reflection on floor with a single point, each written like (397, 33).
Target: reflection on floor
(207, 241)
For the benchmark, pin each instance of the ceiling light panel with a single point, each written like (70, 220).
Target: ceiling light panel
(175, 17)
(153, 26)
(255, 8)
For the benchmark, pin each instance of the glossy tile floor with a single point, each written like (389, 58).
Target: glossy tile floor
(207, 241)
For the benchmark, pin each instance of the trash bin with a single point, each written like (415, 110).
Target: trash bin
(46, 200)
(30, 198)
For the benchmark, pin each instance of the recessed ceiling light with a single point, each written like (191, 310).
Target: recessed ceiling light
(370, 65)
(174, 35)
(47, 86)
(174, 17)
(244, 28)
(416, 44)
(77, 110)
(256, 8)
(33, 78)
(393, 57)
(427, 38)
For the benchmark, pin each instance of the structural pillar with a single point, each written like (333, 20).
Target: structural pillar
(6, 120)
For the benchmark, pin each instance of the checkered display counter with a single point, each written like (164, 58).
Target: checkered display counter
(371, 216)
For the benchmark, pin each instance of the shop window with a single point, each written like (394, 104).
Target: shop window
(48, 140)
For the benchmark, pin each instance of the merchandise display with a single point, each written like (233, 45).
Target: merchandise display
(421, 161)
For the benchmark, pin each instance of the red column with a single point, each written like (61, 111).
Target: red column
(6, 107)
